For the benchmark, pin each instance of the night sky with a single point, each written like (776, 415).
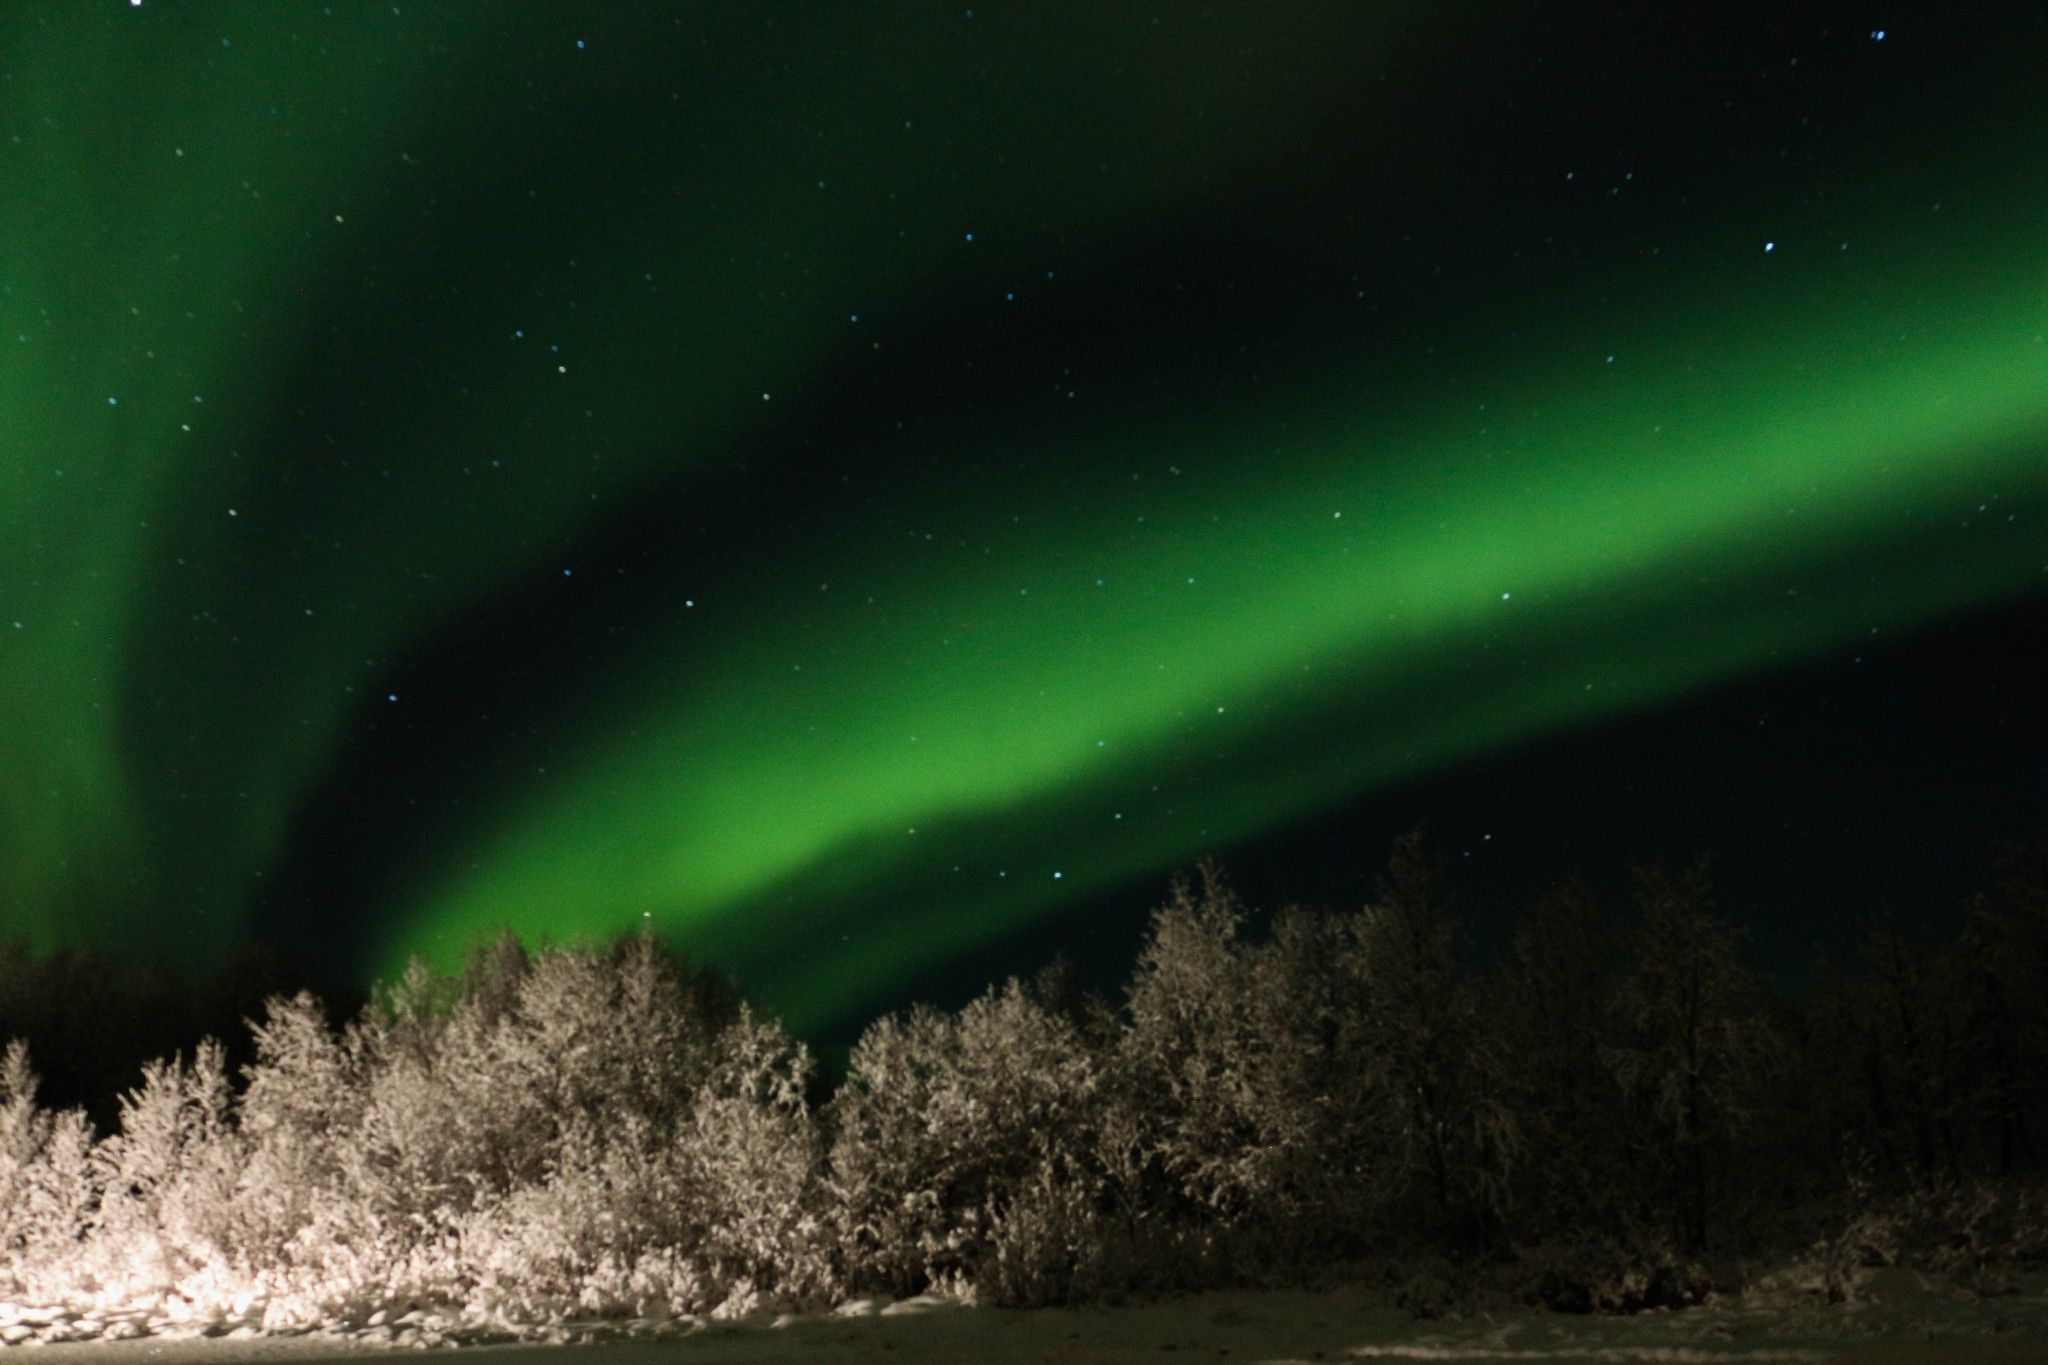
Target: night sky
(872, 490)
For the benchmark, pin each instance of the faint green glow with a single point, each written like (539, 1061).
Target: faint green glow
(203, 204)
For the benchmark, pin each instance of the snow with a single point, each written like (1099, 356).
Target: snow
(1899, 1319)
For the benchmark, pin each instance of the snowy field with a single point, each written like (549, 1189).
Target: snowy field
(1901, 1321)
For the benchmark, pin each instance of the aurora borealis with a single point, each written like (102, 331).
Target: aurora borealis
(841, 484)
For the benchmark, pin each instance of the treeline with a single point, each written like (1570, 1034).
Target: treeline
(1615, 1115)
(93, 1019)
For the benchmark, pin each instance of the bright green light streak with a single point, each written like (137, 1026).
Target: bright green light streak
(834, 733)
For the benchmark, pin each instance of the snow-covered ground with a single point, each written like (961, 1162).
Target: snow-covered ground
(1901, 1319)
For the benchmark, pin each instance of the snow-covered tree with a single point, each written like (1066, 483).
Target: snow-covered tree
(167, 1179)
(750, 1161)
(1192, 1072)
(950, 1134)
(46, 1187)
(299, 1117)
(1252, 1095)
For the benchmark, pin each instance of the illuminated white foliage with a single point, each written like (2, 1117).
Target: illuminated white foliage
(600, 1132)
(167, 1180)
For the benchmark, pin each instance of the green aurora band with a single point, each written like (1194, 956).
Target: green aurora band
(1217, 619)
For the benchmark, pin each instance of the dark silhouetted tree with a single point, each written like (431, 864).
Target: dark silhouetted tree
(1995, 988)
(1696, 1041)
(1554, 1014)
(1445, 1074)
(1910, 1066)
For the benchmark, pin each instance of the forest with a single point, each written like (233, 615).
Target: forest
(1613, 1115)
